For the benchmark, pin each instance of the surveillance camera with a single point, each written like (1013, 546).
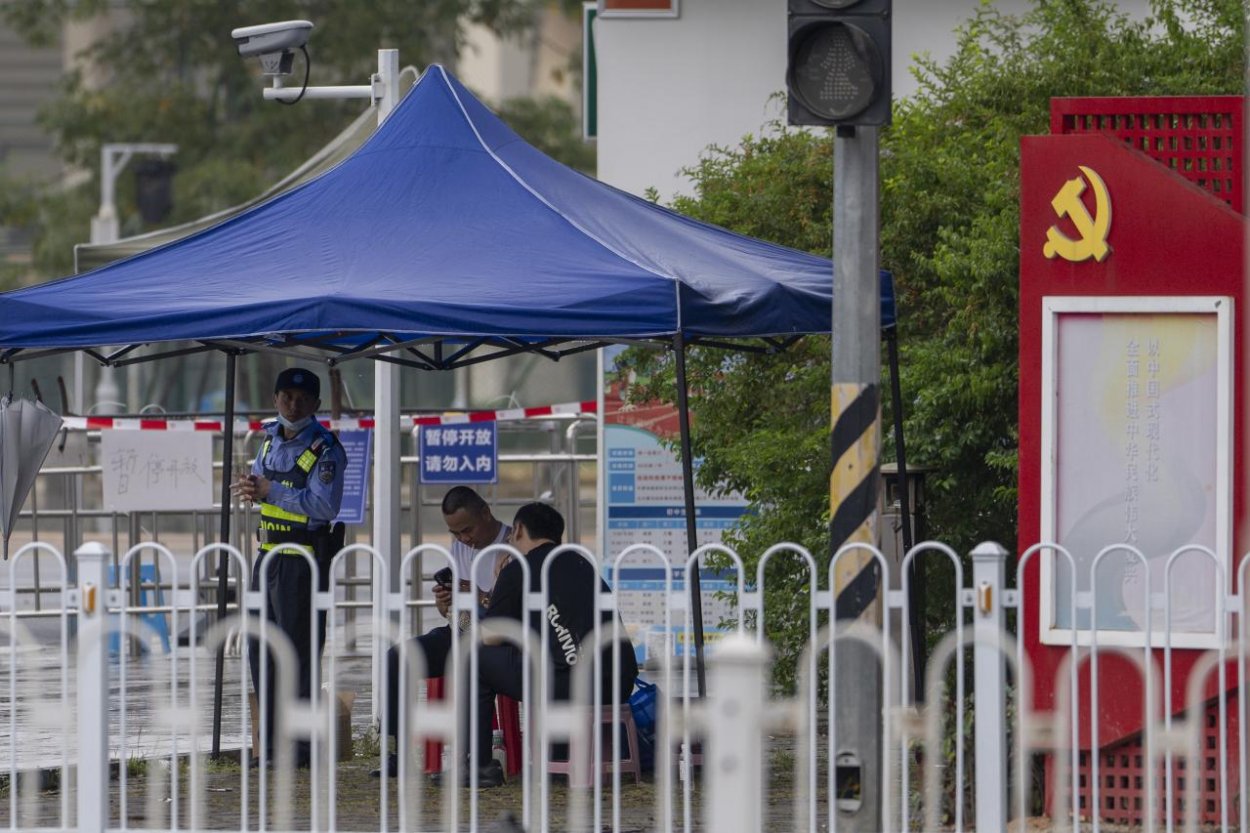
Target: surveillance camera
(272, 43)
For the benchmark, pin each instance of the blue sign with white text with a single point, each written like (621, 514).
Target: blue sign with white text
(358, 445)
(459, 453)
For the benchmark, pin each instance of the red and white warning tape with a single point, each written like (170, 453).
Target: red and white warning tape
(574, 408)
(95, 423)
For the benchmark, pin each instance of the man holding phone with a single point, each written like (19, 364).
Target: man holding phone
(473, 527)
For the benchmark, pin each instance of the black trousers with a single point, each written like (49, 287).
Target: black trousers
(499, 672)
(289, 599)
(435, 646)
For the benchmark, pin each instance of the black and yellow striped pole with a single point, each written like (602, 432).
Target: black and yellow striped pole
(853, 487)
(855, 442)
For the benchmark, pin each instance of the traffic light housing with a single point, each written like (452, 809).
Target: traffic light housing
(838, 72)
(154, 190)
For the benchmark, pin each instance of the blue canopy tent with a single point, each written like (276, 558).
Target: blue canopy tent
(444, 228)
(444, 240)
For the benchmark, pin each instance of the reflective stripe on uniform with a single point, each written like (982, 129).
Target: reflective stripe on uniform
(305, 461)
(268, 510)
(275, 518)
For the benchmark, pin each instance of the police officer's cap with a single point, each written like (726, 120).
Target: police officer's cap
(297, 378)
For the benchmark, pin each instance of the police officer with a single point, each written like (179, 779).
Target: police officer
(297, 478)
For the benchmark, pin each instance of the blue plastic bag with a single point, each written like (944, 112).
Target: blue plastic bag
(645, 704)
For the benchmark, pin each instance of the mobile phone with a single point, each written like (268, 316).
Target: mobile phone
(443, 577)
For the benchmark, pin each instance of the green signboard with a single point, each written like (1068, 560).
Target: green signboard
(590, 75)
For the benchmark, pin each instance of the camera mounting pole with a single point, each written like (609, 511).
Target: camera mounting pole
(279, 92)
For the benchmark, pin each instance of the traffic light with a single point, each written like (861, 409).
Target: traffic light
(839, 62)
(154, 191)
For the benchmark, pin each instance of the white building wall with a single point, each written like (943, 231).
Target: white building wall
(494, 68)
(534, 63)
(669, 87)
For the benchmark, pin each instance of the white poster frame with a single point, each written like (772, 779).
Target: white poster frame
(1053, 308)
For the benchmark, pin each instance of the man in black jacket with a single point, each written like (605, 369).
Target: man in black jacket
(569, 618)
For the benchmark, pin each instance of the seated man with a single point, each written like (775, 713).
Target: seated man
(473, 528)
(538, 529)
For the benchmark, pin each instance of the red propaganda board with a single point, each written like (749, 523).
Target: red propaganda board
(1133, 296)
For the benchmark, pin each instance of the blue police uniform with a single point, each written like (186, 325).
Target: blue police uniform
(306, 483)
(305, 492)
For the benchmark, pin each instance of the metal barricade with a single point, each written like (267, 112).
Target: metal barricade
(746, 758)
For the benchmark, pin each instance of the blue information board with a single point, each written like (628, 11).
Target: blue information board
(459, 453)
(359, 447)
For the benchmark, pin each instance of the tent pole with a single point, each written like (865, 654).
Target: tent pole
(223, 560)
(914, 621)
(687, 482)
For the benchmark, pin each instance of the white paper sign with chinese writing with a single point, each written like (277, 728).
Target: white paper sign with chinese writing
(156, 470)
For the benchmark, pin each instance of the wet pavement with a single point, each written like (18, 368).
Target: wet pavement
(42, 732)
(141, 794)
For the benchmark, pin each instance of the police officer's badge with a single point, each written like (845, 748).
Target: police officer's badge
(325, 470)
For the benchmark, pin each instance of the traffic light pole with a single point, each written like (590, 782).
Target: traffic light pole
(838, 75)
(853, 485)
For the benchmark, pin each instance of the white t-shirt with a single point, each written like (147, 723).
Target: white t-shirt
(463, 554)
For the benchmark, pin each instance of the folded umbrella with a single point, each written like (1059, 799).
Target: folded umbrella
(27, 431)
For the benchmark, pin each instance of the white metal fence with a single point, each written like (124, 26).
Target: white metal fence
(98, 742)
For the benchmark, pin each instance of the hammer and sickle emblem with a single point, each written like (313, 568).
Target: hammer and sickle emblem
(1093, 230)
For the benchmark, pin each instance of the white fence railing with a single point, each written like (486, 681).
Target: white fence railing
(96, 741)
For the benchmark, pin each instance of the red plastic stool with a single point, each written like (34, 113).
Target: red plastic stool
(507, 719)
(629, 764)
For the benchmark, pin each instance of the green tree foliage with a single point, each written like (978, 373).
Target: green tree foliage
(169, 72)
(950, 219)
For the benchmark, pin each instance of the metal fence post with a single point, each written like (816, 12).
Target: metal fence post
(990, 683)
(93, 687)
(734, 735)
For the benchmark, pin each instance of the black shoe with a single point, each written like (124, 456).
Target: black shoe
(490, 775)
(390, 766)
